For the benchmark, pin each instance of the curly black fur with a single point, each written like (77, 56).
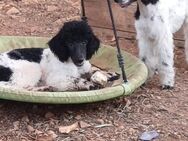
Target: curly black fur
(29, 54)
(6, 73)
(74, 33)
(145, 2)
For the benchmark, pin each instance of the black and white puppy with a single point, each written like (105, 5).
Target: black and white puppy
(156, 21)
(60, 66)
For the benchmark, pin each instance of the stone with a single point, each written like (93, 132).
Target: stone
(99, 78)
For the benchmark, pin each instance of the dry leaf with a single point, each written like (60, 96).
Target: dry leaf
(25, 119)
(12, 10)
(128, 103)
(30, 128)
(38, 132)
(68, 129)
(30, 1)
(45, 138)
(49, 115)
(83, 124)
(16, 125)
(53, 134)
(21, 140)
(113, 39)
(100, 121)
(78, 117)
(51, 8)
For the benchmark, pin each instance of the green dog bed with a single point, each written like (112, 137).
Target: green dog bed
(106, 58)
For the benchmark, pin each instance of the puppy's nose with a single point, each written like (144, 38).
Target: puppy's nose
(80, 60)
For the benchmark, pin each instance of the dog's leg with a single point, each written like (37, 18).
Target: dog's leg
(82, 84)
(72, 84)
(186, 38)
(42, 89)
(147, 56)
(157, 54)
(26, 74)
(166, 60)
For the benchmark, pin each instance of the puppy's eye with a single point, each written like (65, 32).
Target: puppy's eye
(71, 44)
(84, 43)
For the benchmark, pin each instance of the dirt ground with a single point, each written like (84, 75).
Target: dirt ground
(121, 119)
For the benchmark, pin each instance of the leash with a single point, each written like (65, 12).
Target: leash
(119, 54)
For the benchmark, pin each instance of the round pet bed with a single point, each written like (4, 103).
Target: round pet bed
(106, 58)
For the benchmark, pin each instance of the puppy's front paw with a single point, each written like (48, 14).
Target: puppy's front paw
(166, 87)
(86, 76)
(94, 87)
(42, 89)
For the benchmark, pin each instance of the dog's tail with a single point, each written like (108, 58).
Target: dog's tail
(186, 38)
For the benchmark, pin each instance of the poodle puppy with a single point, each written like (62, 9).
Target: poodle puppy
(60, 66)
(156, 21)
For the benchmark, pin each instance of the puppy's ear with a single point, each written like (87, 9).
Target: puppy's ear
(58, 47)
(92, 46)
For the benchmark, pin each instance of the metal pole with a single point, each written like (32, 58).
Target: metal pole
(84, 18)
(119, 55)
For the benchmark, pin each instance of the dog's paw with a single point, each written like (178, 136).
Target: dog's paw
(94, 87)
(42, 89)
(48, 89)
(113, 76)
(86, 76)
(166, 87)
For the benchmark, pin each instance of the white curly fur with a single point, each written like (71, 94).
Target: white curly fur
(155, 27)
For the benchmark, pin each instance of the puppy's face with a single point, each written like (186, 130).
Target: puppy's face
(77, 51)
(75, 40)
(125, 3)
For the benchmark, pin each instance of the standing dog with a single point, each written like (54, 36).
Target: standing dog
(60, 66)
(156, 21)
